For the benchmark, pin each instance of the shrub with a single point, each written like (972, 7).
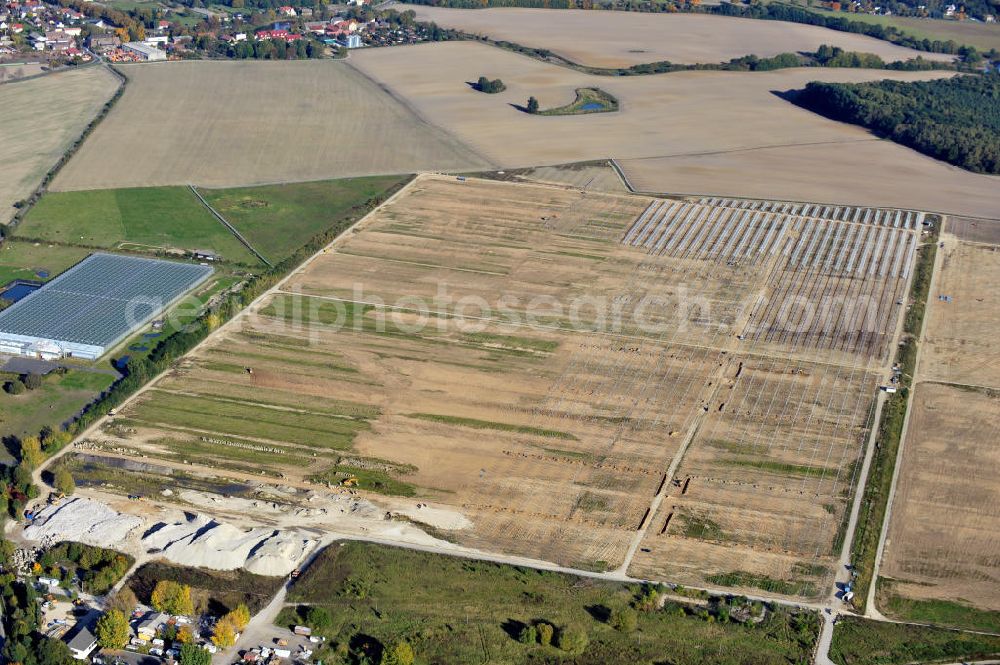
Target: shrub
(624, 620)
(528, 635)
(13, 387)
(318, 618)
(572, 639)
(545, 633)
(32, 381)
(64, 480)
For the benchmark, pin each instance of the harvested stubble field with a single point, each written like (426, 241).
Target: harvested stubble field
(940, 561)
(551, 433)
(222, 124)
(42, 118)
(943, 542)
(686, 132)
(623, 39)
(961, 345)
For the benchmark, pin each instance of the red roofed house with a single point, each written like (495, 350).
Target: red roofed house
(278, 34)
(287, 10)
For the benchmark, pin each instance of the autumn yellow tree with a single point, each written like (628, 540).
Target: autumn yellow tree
(240, 616)
(172, 597)
(224, 634)
(185, 635)
(31, 451)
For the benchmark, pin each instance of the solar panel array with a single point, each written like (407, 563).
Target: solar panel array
(101, 299)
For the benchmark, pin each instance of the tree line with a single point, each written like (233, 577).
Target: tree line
(956, 120)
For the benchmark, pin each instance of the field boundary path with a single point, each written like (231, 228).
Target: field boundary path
(232, 229)
(621, 175)
(870, 610)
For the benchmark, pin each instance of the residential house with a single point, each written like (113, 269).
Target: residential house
(80, 638)
(104, 42)
(287, 10)
(152, 622)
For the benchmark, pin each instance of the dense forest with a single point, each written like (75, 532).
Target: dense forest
(956, 120)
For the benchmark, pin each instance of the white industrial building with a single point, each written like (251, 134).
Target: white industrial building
(93, 306)
(144, 51)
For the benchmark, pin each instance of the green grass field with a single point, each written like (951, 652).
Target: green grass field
(454, 610)
(938, 612)
(279, 219)
(327, 429)
(58, 400)
(23, 260)
(147, 218)
(858, 641)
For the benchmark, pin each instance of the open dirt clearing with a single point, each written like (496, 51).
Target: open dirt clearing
(221, 124)
(961, 345)
(519, 402)
(42, 118)
(943, 540)
(703, 132)
(622, 39)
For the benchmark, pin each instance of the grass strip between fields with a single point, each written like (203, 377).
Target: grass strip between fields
(488, 424)
(934, 611)
(864, 547)
(858, 641)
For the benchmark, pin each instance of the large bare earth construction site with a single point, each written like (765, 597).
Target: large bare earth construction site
(679, 389)
(942, 541)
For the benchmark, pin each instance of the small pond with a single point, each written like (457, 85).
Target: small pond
(18, 290)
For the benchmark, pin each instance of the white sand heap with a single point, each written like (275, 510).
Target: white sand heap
(203, 542)
(82, 520)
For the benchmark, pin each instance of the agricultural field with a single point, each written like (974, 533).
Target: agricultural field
(145, 219)
(453, 610)
(10, 71)
(623, 39)
(942, 545)
(596, 176)
(36, 261)
(981, 35)
(960, 345)
(227, 124)
(42, 119)
(554, 363)
(59, 399)
(940, 558)
(728, 132)
(278, 219)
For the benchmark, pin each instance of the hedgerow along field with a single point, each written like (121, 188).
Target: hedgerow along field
(556, 442)
(42, 118)
(457, 610)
